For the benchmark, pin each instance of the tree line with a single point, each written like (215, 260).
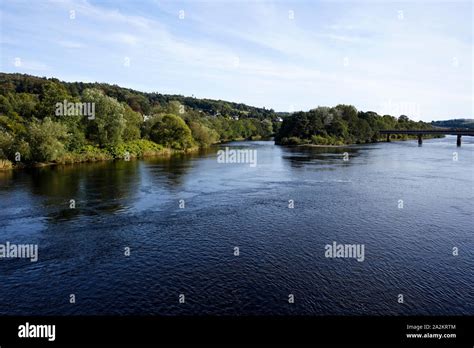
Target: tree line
(341, 125)
(460, 123)
(125, 122)
(47, 120)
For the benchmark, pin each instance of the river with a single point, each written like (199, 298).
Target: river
(237, 239)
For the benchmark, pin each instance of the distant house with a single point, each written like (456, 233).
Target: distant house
(279, 119)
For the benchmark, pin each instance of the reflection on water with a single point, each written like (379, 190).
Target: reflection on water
(189, 250)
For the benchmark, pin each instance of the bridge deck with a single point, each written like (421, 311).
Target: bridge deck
(427, 131)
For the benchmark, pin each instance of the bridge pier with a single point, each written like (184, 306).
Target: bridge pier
(436, 131)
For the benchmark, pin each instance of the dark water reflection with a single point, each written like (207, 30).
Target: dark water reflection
(136, 204)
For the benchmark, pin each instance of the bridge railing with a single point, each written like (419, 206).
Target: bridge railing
(420, 132)
(429, 131)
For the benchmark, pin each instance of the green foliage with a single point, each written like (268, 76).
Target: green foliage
(10, 145)
(52, 93)
(145, 124)
(326, 140)
(120, 114)
(133, 121)
(46, 140)
(291, 141)
(136, 148)
(203, 135)
(456, 123)
(22, 104)
(108, 125)
(171, 131)
(94, 152)
(342, 124)
(13, 123)
(319, 140)
(6, 145)
(88, 153)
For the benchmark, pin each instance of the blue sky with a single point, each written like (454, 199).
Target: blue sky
(411, 58)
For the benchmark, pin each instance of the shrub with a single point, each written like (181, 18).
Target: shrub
(171, 131)
(319, 140)
(203, 135)
(293, 141)
(46, 139)
(136, 148)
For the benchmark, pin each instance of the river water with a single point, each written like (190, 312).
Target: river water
(184, 218)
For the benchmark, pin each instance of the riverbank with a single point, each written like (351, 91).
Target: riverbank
(144, 149)
(92, 154)
(131, 150)
(340, 144)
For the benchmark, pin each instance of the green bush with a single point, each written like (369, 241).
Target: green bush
(319, 140)
(107, 127)
(171, 131)
(136, 148)
(293, 141)
(46, 140)
(87, 153)
(203, 135)
(6, 145)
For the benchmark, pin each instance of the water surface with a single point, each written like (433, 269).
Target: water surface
(190, 251)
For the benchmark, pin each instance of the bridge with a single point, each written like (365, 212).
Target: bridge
(421, 132)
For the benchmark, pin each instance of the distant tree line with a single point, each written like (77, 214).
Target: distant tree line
(47, 120)
(125, 122)
(340, 125)
(460, 123)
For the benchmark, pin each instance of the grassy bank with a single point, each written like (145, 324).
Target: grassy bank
(130, 150)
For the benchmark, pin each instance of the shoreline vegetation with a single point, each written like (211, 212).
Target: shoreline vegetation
(44, 121)
(78, 158)
(342, 125)
(372, 142)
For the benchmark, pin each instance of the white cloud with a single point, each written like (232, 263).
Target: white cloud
(70, 44)
(254, 53)
(27, 64)
(126, 39)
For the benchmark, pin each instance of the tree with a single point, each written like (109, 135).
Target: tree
(52, 93)
(108, 125)
(26, 104)
(6, 145)
(348, 113)
(266, 128)
(338, 128)
(362, 131)
(403, 119)
(133, 121)
(203, 135)
(46, 140)
(171, 131)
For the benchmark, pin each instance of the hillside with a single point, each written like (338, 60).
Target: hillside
(47, 120)
(459, 123)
